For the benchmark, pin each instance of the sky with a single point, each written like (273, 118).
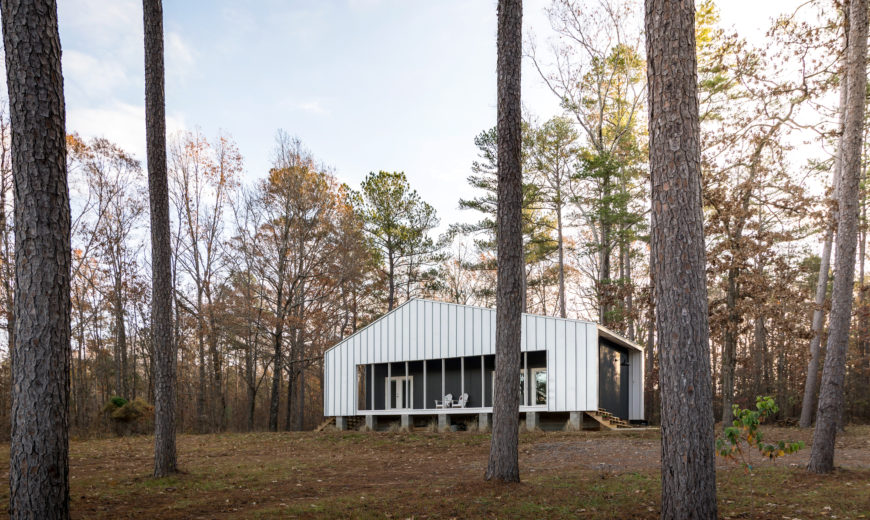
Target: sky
(398, 85)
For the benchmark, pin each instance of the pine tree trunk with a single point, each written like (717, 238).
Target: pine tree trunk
(833, 374)
(165, 461)
(503, 454)
(563, 310)
(729, 348)
(678, 258)
(818, 321)
(39, 451)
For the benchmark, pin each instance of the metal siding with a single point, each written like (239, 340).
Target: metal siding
(469, 331)
(326, 405)
(460, 330)
(540, 333)
(562, 332)
(635, 393)
(582, 360)
(439, 333)
(591, 366)
(424, 313)
(430, 330)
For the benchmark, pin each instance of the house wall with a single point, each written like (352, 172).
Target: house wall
(423, 329)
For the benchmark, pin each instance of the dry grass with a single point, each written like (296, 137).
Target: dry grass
(437, 475)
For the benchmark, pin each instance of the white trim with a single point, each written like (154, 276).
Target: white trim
(461, 411)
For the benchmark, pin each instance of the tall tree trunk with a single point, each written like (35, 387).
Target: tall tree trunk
(729, 347)
(563, 310)
(277, 373)
(833, 373)
(391, 275)
(165, 461)
(39, 451)
(677, 248)
(503, 453)
(818, 321)
(761, 374)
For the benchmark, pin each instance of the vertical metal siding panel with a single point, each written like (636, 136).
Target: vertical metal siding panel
(578, 343)
(372, 348)
(460, 330)
(476, 332)
(468, 331)
(563, 331)
(423, 314)
(373, 336)
(635, 392)
(529, 336)
(339, 410)
(591, 366)
(560, 372)
(435, 346)
(444, 320)
(540, 333)
(454, 328)
(354, 400)
(427, 337)
(326, 383)
(524, 333)
(492, 327)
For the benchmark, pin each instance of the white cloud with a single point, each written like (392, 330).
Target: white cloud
(121, 123)
(180, 56)
(94, 76)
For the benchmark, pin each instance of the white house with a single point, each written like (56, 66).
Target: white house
(428, 359)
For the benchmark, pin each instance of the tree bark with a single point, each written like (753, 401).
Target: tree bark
(503, 454)
(39, 451)
(165, 360)
(833, 374)
(818, 321)
(678, 258)
(729, 347)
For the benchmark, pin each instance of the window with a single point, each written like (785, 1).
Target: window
(539, 385)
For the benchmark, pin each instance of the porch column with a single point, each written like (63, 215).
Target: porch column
(425, 381)
(443, 423)
(341, 423)
(482, 382)
(388, 398)
(531, 421)
(575, 421)
(406, 389)
(443, 386)
(462, 375)
(373, 387)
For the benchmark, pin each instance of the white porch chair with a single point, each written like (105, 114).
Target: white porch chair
(446, 402)
(463, 400)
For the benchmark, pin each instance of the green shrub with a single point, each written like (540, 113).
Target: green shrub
(128, 416)
(745, 431)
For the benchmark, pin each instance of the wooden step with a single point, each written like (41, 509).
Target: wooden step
(324, 424)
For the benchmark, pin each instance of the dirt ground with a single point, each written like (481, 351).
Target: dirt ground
(431, 475)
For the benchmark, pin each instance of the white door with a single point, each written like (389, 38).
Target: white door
(400, 392)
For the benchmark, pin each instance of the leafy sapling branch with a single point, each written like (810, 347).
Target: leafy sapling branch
(745, 437)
